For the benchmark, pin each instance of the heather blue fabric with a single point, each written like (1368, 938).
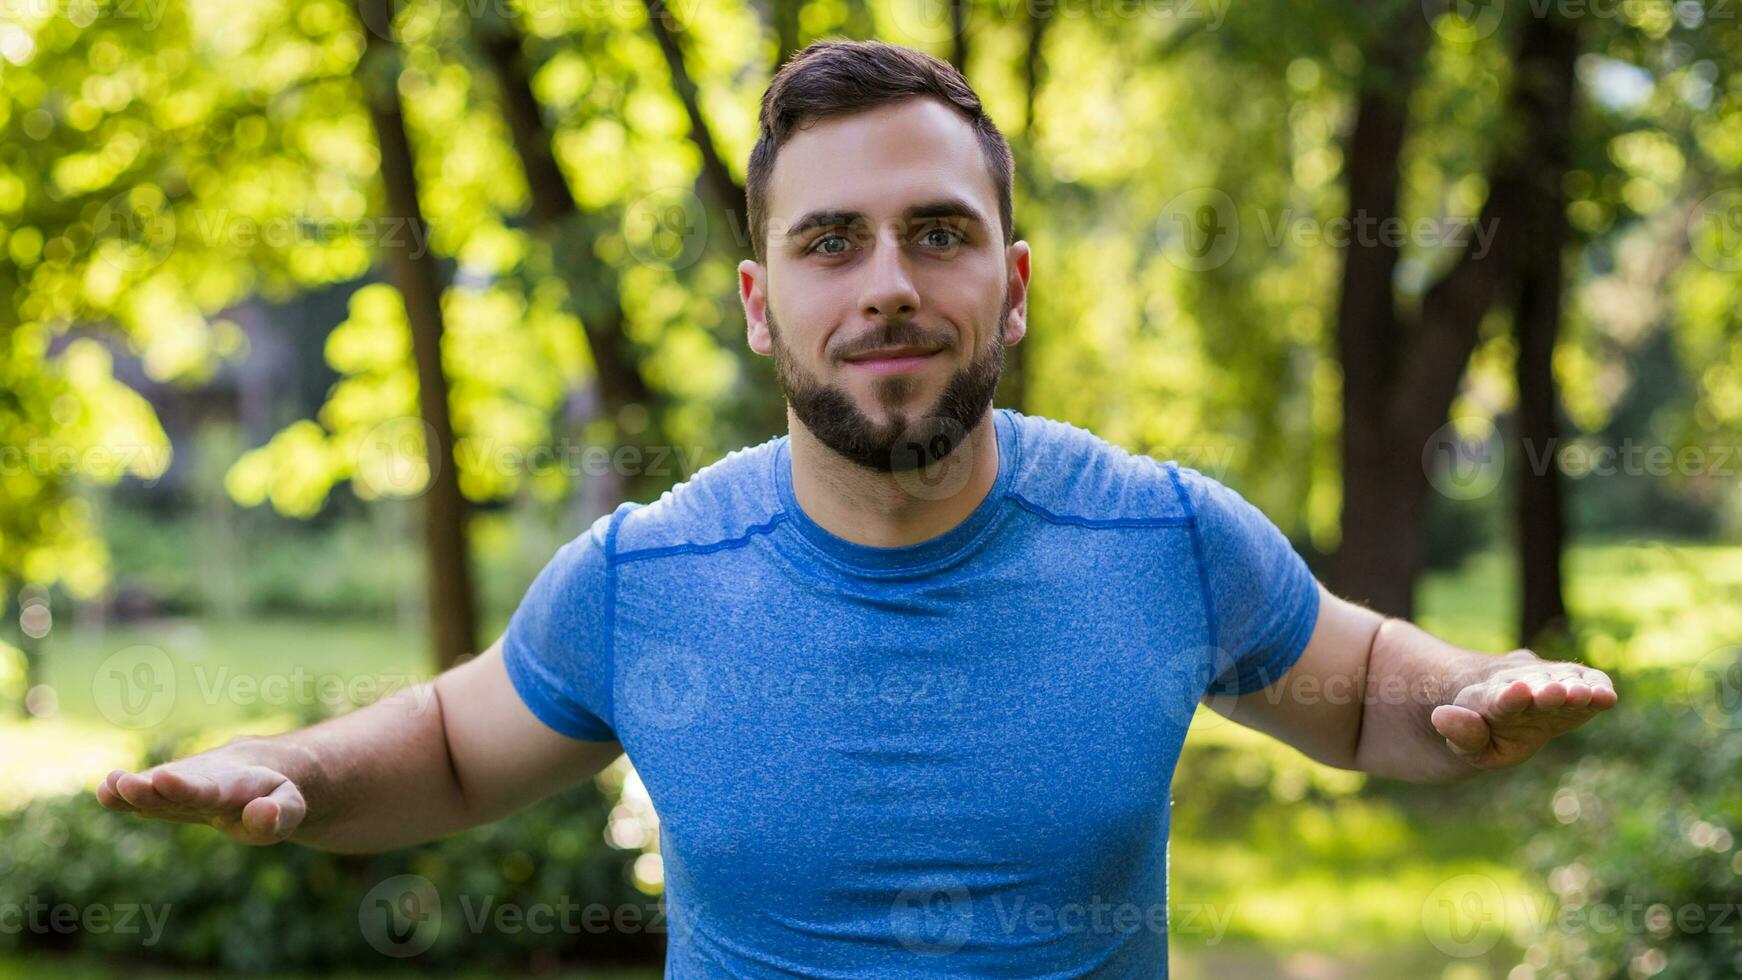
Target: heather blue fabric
(949, 759)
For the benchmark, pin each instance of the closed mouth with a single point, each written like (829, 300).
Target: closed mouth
(894, 354)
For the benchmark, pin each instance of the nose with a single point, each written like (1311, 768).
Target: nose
(888, 289)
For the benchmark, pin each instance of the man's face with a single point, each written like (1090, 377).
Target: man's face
(895, 293)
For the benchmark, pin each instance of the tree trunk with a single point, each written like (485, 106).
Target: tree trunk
(452, 610)
(1013, 386)
(782, 18)
(1384, 488)
(1546, 83)
(959, 11)
(1401, 374)
(1541, 523)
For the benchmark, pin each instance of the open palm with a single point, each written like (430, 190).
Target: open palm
(250, 804)
(1503, 719)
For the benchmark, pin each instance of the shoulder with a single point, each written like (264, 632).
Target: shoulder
(725, 501)
(1071, 475)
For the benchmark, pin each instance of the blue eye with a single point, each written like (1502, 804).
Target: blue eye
(951, 238)
(817, 246)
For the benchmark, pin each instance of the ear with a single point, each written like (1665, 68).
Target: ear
(1015, 327)
(753, 291)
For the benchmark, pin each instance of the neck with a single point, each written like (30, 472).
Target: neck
(873, 508)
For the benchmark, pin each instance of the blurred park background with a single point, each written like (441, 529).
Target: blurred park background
(323, 325)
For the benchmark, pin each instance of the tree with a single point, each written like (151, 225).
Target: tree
(452, 604)
(1401, 369)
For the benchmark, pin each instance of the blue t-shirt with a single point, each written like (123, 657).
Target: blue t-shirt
(947, 759)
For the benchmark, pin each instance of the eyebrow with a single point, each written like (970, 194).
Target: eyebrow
(944, 207)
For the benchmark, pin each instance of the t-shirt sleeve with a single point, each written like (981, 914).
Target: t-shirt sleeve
(557, 648)
(1262, 598)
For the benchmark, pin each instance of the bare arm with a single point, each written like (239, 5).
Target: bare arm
(1436, 712)
(1383, 696)
(423, 763)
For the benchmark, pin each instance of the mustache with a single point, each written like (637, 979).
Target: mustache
(896, 333)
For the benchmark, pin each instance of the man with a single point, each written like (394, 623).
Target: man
(920, 669)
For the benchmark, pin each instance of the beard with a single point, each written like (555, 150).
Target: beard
(900, 443)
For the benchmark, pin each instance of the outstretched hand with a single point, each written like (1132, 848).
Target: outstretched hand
(250, 804)
(1504, 718)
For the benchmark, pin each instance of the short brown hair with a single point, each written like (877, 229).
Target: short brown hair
(834, 78)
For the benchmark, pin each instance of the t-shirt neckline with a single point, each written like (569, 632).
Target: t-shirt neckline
(906, 558)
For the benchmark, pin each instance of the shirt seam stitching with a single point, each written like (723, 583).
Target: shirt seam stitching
(1197, 553)
(1098, 522)
(611, 615)
(691, 548)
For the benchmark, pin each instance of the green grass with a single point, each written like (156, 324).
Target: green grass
(232, 672)
(1636, 602)
(210, 681)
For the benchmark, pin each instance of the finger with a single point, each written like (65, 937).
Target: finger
(109, 798)
(274, 817)
(1465, 731)
(186, 790)
(292, 808)
(1598, 680)
(251, 783)
(260, 820)
(1552, 694)
(1497, 701)
(138, 789)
